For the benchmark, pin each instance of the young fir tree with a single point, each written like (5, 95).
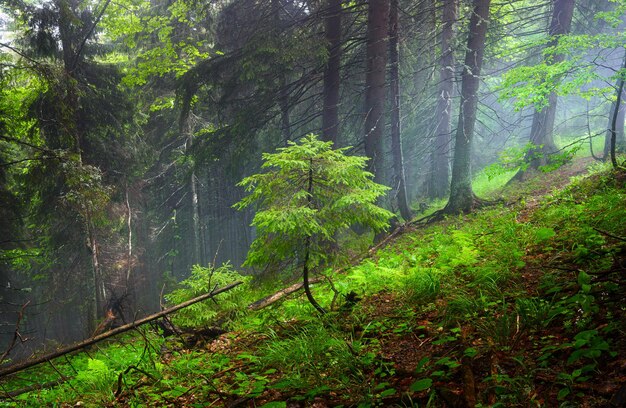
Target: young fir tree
(309, 193)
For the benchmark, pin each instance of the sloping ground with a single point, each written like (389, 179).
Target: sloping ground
(517, 305)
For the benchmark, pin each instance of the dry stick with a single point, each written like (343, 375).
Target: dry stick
(275, 297)
(63, 377)
(27, 364)
(120, 377)
(608, 234)
(51, 384)
(16, 333)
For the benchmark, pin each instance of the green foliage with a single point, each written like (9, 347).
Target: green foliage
(511, 159)
(203, 280)
(309, 355)
(155, 35)
(308, 194)
(531, 85)
(96, 378)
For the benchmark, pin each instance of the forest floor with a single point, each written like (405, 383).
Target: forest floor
(517, 305)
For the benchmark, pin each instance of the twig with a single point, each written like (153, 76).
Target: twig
(120, 377)
(16, 333)
(608, 234)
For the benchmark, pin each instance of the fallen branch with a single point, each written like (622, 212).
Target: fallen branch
(85, 343)
(397, 231)
(120, 377)
(275, 297)
(608, 234)
(34, 387)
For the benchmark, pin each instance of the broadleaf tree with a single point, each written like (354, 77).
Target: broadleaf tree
(309, 193)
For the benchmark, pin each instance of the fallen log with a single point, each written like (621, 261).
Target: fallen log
(34, 387)
(88, 342)
(275, 297)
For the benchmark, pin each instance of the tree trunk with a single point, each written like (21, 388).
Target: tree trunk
(330, 114)
(440, 170)
(129, 248)
(461, 193)
(99, 290)
(187, 129)
(283, 91)
(614, 119)
(377, 30)
(541, 132)
(399, 182)
(307, 249)
(615, 131)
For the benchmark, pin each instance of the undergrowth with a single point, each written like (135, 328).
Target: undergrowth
(514, 306)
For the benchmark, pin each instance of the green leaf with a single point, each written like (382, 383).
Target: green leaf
(388, 392)
(275, 404)
(543, 234)
(421, 385)
(563, 393)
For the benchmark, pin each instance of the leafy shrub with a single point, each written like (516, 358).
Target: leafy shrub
(203, 280)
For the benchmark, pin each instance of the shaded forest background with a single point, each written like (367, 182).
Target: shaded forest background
(125, 126)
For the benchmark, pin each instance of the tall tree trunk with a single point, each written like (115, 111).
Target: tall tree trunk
(283, 91)
(614, 119)
(440, 170)
(283, 101)
(399, 181)
(99, 290)
(619, 128)
(187, 129)
(541, 131)
(615, 131)
(461, 193)
(332, 33)
(129, 246)
(377, 30)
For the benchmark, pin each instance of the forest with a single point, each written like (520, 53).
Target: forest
(313, 203)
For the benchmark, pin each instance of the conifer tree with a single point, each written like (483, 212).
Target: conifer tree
(309, 194)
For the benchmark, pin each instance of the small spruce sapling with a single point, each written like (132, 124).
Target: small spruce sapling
(308, 194)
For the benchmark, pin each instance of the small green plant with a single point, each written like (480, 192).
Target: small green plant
(97, 378)
(309, 356)
(308, 195)
(203, 279)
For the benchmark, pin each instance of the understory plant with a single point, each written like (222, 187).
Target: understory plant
(308, 194)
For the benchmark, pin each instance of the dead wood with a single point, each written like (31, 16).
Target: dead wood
(275, 297)
(34, 387)
(16, 333)
(85, 343)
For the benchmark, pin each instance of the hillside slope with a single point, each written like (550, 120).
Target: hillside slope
(517, 305)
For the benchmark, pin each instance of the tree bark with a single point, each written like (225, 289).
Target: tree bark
(377, 30)
(283, 91)
(440, 170)
(307, 249)
(461, 193)
(99, 290)
(541, 132)
(198, 245)
(275, 297)
(615, 131)
(332, 33)
(399, 182)
(614, 119)
(86, 343)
